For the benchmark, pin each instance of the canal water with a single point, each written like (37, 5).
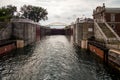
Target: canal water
(54, 58)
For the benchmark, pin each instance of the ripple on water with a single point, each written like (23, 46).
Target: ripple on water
(53, 58)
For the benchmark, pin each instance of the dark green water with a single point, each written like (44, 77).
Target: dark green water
(53, 58)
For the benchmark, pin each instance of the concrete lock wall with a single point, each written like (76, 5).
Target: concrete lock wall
(89, 30)
(96, 50)
(21, 29)
(17, 34)
(24, 31)
(7, 48)
(74, 33)
(79, 33)
(20, 43)
(5, 30)
(84, 44)
(82, 31)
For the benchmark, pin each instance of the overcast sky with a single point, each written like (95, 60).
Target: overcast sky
(64, 11)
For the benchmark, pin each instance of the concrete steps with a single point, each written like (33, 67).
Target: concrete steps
(106, 30)
(111, 37)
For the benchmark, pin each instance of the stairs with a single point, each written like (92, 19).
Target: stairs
(109, 34)
(106, 30)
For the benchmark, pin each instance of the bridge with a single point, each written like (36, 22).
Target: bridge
(57, 24)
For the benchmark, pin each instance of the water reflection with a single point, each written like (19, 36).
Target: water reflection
(53, 58)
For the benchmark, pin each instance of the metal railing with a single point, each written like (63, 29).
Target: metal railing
(117, 37)
(101, 31)
(98, 44)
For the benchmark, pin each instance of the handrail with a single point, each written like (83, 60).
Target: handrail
(101, 31)
(118, 38)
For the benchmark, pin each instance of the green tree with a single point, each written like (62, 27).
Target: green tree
(7, 12)
(11, 9)
(34, 13)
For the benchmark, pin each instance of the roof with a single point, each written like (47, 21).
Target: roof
(113, 10)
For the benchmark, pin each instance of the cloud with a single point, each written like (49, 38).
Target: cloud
(64, 10)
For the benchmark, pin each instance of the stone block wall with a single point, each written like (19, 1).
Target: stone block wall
(83, 31)
(88, 30)
(21, 29)
(5, 31)
(24, 31)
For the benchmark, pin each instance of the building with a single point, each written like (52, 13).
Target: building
(107, 34)
(82, 30)
(109, 15)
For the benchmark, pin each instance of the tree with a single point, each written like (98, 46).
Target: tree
(11, 9)
(34, 13)
(6, 13)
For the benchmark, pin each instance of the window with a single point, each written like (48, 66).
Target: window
(113, 26)
(112, 17)
(90, 29)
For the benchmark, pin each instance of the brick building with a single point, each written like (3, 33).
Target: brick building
(109, 15)
(102, 13)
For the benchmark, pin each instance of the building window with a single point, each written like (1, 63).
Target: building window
(112, 17)
(90, 29)
(113, 26)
